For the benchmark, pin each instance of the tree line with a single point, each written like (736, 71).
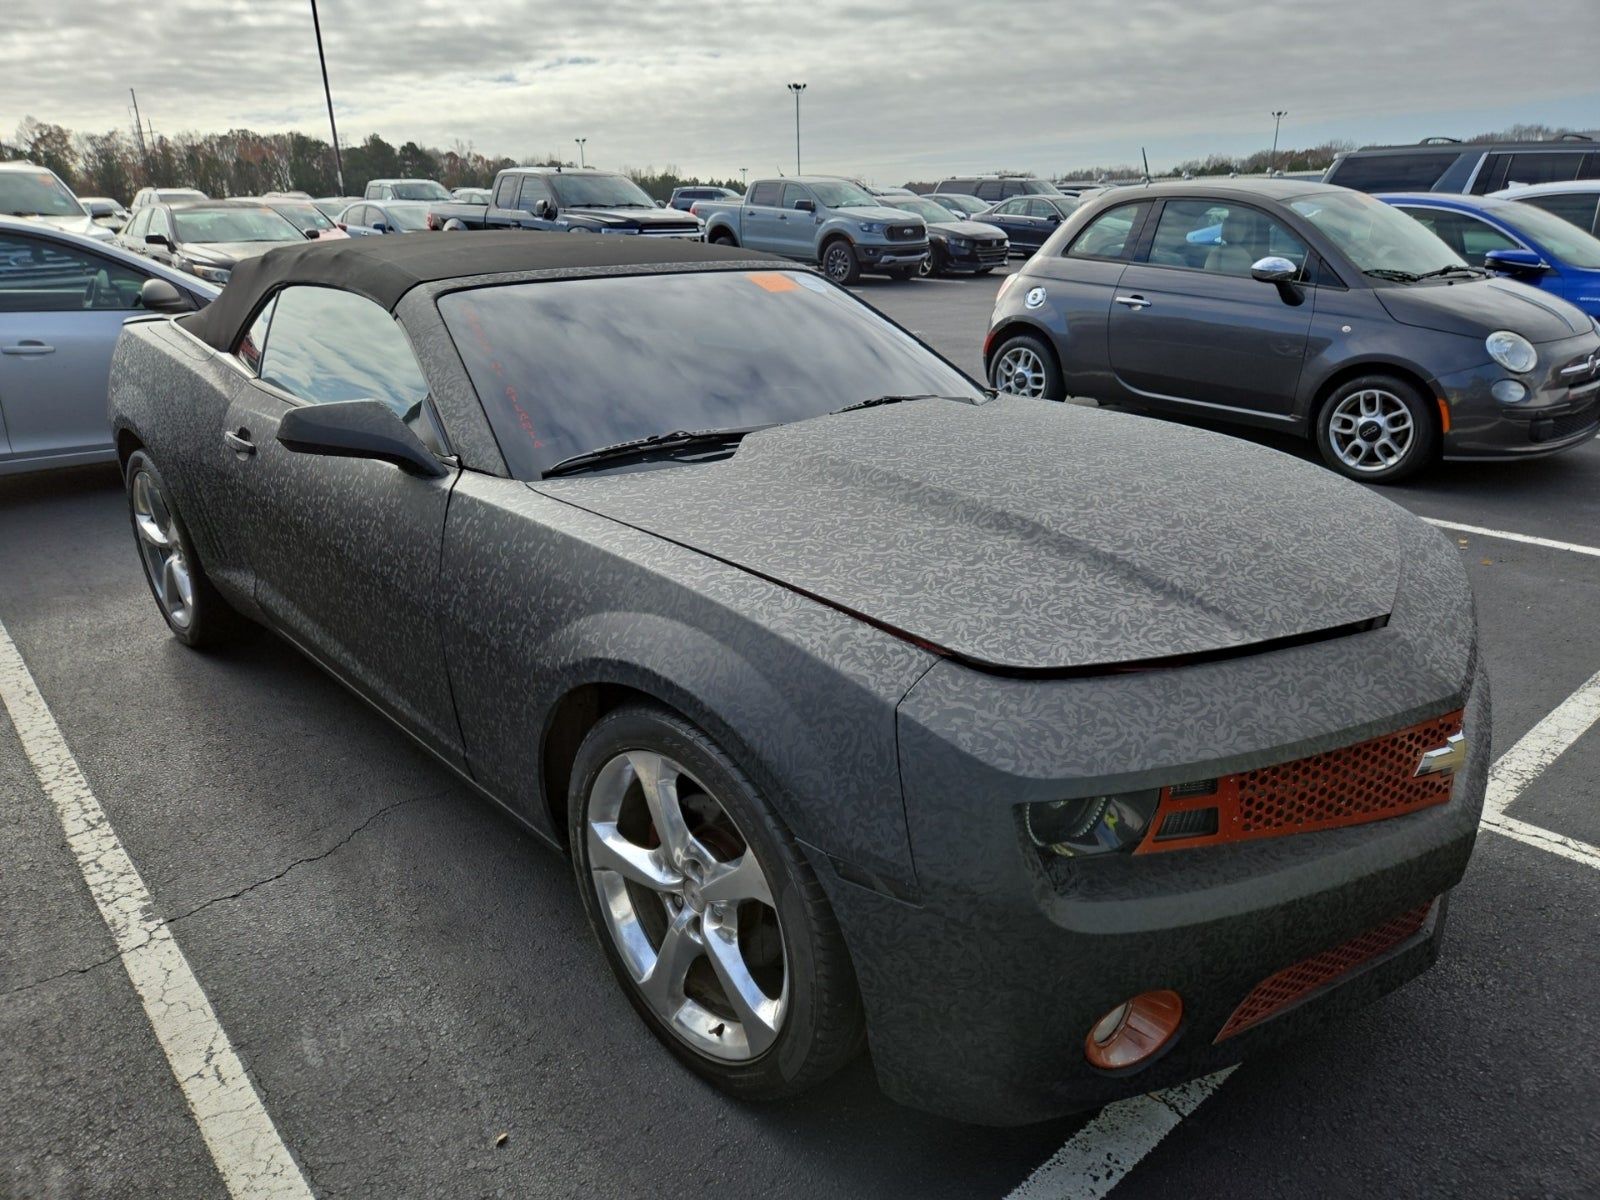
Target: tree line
(242, 162)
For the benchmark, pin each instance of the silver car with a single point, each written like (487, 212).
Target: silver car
(63, 299)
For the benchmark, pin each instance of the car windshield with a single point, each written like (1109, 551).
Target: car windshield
(333, 207)
(232, 225)
(179, 195)
(420, 189)
(926, 209)
(569, 366)
(1374, 235)
(36, 194)
(409, 217)
(598, 191)
(1559, 236)
(303, 216)
(962, 204)
(839, 193)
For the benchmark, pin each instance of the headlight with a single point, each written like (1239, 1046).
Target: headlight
(212, 274)
(960, 243)
(1096, 825)
(614, 229)
(1511, 350)
(872, 227)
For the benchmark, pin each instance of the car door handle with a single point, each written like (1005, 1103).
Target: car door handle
(27, 348)
(240, 442)
(1133, 302)
(783, 216)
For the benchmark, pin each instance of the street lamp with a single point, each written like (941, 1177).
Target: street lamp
(1277, 119)
(338, 159)
(581, 142)
(797, 88)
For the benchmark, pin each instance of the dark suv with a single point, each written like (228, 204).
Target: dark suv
(1299, 307)
(1446, 165)
(995, 188)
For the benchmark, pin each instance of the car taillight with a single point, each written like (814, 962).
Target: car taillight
(694, 209)
(433, 222)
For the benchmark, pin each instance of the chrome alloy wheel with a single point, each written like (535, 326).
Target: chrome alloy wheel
(1371, 430)
(162, 552)
(1019, 372)
(687, 906)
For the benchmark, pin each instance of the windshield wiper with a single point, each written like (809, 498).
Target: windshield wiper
(657, 445)
(1397, 276)
(878, 401)
(1453, 269)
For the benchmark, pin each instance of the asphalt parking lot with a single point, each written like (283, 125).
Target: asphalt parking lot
(406, 977)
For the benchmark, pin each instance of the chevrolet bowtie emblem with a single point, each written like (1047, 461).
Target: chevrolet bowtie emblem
(1446, 758)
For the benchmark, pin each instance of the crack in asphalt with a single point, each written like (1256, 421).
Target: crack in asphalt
(167, 922)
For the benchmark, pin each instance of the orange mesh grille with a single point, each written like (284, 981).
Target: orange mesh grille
(1277, 992)
(1365, 782)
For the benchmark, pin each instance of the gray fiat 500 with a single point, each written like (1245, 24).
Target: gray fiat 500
(1300, 307)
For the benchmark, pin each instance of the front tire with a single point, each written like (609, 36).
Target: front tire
(1025, 366)
(194, 611)
(722, 237)
(839, 262)
(711, 919)
(1377, 429)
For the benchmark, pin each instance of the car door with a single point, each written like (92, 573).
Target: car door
(61, 311)
(758, 218)
(345, 551)
(797, 229)
(1023, 230)
(1188, 324)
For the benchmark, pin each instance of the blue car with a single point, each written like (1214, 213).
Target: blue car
(1514, 239)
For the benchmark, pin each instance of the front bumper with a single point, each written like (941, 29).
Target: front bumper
(980, 989)
(977, 257)
(908, 254)
(1562, 409)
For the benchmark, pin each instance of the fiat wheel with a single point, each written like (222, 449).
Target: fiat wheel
(711, 920)
(1376, 429)
(1024, 366)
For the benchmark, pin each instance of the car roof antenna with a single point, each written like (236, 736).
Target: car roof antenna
(1146, 158)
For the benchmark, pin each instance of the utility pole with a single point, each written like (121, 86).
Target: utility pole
(138, 126)
(338, 159)
(1277, 119)
(581, 142)
(797, 88)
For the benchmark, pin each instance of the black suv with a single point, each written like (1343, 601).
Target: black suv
(1478, 168)
(995, 188)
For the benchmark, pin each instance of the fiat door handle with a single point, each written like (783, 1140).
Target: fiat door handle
(28, 348)
(1133, 302)
(238, 442)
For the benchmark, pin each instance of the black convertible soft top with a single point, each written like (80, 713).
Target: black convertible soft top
(384, 269)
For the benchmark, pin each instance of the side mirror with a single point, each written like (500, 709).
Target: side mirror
(661, 203)
(1273, 269)
(156, 239)
(157, 295)
(358, 429)
(805, 206)
(544, 210)
(313, 234)
(380, 227)
(1515, 262)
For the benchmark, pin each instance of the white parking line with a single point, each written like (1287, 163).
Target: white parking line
(1525, 538)
(243, 1141)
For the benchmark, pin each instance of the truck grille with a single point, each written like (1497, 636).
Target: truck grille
(1293, 984)
(1368, 781)
(671, 231)
(905, 233)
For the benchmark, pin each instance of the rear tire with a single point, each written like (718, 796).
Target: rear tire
(839, 262)
(190, 604)
(1377, 429)
(761, 927)
(1025, 366)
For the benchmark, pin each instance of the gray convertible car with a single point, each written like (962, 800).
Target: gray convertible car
(1059, 754)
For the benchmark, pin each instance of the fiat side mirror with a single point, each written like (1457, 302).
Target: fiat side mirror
(1273, 269)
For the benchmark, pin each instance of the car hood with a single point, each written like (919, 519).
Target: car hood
(1022, 535)
(83, 225)
(226, 254)
(1481, 306)
(879, 212)
(645, 218)
(968, 229)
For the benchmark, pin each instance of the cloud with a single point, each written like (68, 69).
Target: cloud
(917, 88)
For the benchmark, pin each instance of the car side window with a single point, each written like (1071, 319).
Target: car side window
(1041, 208)
(254, 341)
(38, 275)
(793, 193)
(990, 189)
(1464, 233)
(135, 229)
(1221, 238)
(327, 345)
(1013, 208)
(1110, 235)
(1576, 207)
(505, 192)
(160, 223)
(534, 189)
(765, 194)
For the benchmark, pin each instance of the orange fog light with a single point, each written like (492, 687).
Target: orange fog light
(1135, 1031)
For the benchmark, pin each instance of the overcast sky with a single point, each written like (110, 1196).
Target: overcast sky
(896, 90)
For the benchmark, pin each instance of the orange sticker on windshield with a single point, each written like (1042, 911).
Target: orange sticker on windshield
(773, 281)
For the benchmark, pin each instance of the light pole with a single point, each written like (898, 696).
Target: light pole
(744, 176)
(1277, 119)
(581, 142)
(797, 88)
(338, 159)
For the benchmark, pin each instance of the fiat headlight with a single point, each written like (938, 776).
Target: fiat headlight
(1511, 350)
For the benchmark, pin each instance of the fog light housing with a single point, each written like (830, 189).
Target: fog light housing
(1509, 391)
(1091, 825)
(1135, 1032)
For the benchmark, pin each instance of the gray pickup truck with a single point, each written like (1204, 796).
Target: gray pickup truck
(561, 200)
(821, 219)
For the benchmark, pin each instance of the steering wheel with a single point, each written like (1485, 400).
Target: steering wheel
(101, 293)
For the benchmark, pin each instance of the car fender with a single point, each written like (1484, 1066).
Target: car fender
(1340, 345)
